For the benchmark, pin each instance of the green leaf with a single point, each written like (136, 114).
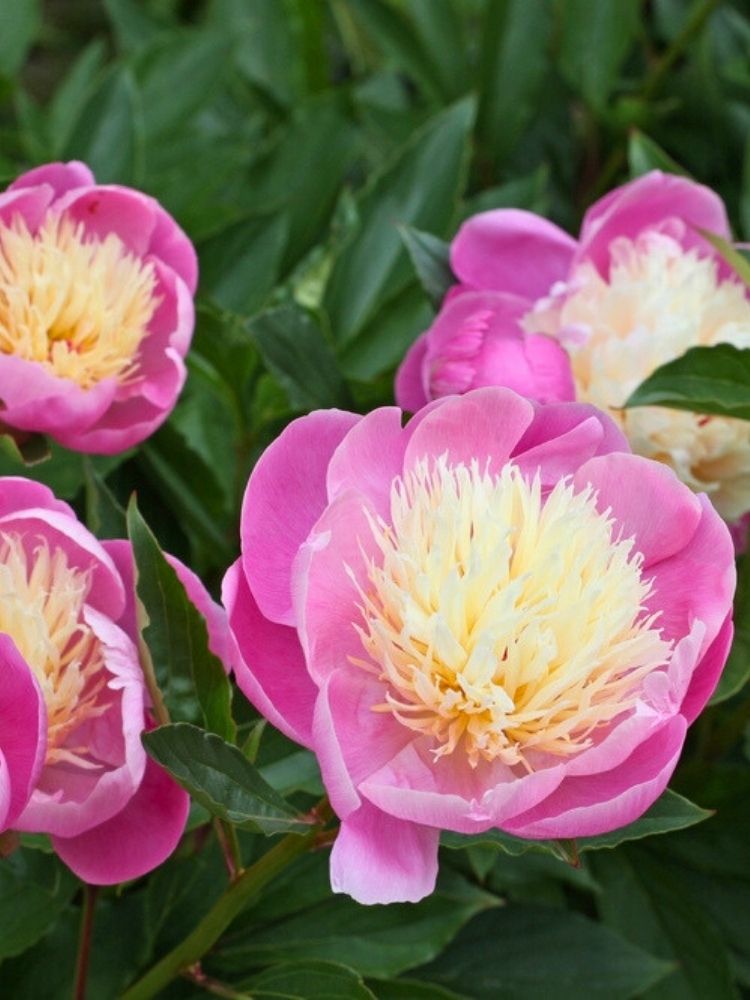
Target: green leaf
(71, 95)
(514, 65)
(108, 133)
(374, 940)
(105, 517)
(177, 637)
(645, 155)
(222, 779)
(241, 264)
(648, 904)
(412, 989)
(534, 953)
(300, 980)
(20, 21)
(710, 380)
(131, 25)
(431, 259)
(736, 671)
(670, 812)
(34, 889)
(295, 351)
(372, 266)
(596, 39)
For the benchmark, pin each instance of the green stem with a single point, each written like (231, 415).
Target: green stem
(221, 915)
(230, 847)
(90, 893)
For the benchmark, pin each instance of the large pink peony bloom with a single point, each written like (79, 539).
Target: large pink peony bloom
(96, 309)
(637, 289)
(495, 616)
(73, 703)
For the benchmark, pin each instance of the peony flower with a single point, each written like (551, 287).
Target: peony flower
(495, 616)
(477, 340)
(73, 703)
(638, 288)
(96, 309)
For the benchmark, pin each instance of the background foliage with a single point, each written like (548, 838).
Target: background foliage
(307, 146)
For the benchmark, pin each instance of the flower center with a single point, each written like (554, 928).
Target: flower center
(41, 605)
(501, 621)
(659, 301)
(76, 304)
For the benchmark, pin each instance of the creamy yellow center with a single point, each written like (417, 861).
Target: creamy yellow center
(41, 604)
(77, 305)
(659, 301)
(500, 621)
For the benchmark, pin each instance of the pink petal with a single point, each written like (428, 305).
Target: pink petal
(697, 582)
(108, 208)
(706, 676)
(646, 501)
(649, 202)
(450, 794)
(409, 387)
(61, 177)
(379, 859)
(18, 493)
(594, 804)
(271, 672)
(23, 730)
(134, 841)
(369, 458)
(326, 595)
(82, 550)
(509, 250)
(30, 204)
(5, 795)
(170, 244)
(284, 498)
(351, 740)
(485, 424)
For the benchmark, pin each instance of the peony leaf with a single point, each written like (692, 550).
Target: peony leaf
(431, 259)
(222, 779)
(177, 637)
(710, 380)
(34, 889)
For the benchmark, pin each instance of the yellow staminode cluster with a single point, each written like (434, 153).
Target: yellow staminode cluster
(504, 623)
(74, 303)
(41, 602)
(659, 301)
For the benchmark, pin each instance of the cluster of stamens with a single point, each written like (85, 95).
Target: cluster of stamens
(501, 621)
(76, 304)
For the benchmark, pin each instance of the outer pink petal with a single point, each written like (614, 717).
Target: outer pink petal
(61, 177)
(409, 387)
(646, 203)
(18, 493)
(485, 424)
(647, 501)
(331, 565)
(284, 498)
(109, 208)
(697, 582)
(134, 841)
(452, 795)
(23, 730)
(170, 244)
(509, 250)
(379, 859)
(351, 740)
(30, 204)
(36, 400)
(5, 795)
(594, 804)
(708, 672)
(271, 672)
(369, 458)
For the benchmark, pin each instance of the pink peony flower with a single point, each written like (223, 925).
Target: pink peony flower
(96, 309)
(638, 288)
(495, 616)
(73, 702)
